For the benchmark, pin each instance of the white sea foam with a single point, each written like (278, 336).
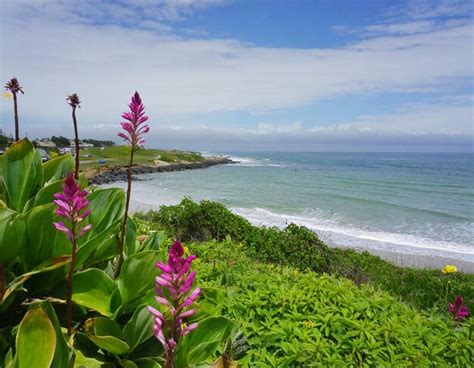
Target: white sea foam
(333, 233)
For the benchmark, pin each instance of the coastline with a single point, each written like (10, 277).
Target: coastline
(120, 173)
(404, 260)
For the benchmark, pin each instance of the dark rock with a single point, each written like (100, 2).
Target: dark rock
(120, 174)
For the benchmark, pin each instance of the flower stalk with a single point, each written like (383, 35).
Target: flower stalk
(14, 87)
(173, 289)
(74, 102)
(134, 127)
(71, 206)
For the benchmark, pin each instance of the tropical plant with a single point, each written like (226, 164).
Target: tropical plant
(74, 102)
(14, 87)
(134, 127)
(72, 205)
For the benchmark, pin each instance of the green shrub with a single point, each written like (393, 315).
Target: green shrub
(300, 247)
(300, 319)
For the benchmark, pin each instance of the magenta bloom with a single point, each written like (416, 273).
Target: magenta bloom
(135, 125)
(72, 203)
(458, 311)
(173, 288)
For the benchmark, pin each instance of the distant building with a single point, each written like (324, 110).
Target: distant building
(81, 145)
(44, 155)
(45, 144)
(64, 150)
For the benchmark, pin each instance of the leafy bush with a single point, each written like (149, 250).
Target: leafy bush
(300, 319)
(111, 326)
(300, 247)
(191, 221)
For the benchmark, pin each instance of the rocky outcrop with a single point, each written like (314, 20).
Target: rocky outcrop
(120, 173)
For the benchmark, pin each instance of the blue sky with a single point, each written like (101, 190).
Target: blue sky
(314, 75)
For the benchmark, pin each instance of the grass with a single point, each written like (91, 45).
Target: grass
(119, 156)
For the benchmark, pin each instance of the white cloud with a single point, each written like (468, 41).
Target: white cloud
(55, 50)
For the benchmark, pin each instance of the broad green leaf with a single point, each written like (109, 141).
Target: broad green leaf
(106, 334)
(43, 241)
(137, 275)
(12, 235)
(46, 194)
(107, 249)
(211, 333)
(47, 266)
(154, 241)
(93, 289)
(57, 168)
(35, 340)
(86, 253)
(61, 355)
(22, 173)
(128, 364)
(139, 328)
(107, 207)
(84, 362)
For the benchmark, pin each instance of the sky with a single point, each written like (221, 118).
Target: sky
(230, 75)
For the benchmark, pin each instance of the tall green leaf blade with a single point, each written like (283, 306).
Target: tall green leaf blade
(57, 168)
(139, 328)
(130, 237)
(22, 173)
(137, 276)
(61, 355)
(46, 194)
(43, 241)
(12, 235)
(211, 333)
(35, 340)
(107, 207)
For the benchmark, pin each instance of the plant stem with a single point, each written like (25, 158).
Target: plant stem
(17, 124)
(125, 216)
(69, 287)
(76, 141)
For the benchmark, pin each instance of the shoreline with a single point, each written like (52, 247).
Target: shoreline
(404, 260)
(120, 173)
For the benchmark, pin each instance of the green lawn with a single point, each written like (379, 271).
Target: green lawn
(119, 156)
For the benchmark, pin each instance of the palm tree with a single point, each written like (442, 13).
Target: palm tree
(14, 87)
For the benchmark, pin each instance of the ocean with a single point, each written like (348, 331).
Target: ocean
(410, 203)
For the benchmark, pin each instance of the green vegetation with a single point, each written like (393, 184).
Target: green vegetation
(270, 297)
(3, 141)
(98, 142)
(302, 319)
(110, 324)
(60, 141)
(299, 247)
(120, 156)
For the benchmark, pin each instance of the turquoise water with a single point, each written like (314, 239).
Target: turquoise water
(409, 203)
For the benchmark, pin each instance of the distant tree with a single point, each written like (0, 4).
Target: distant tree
(98, 143)
(60, 141)
(3, 141)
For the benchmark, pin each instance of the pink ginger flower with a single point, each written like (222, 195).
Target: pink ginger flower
(71, 206)
(173, 288)
(135, 125)
(458, 311)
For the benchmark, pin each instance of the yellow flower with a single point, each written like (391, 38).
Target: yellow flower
(186, 250)
(449, 269)
(6, 95)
